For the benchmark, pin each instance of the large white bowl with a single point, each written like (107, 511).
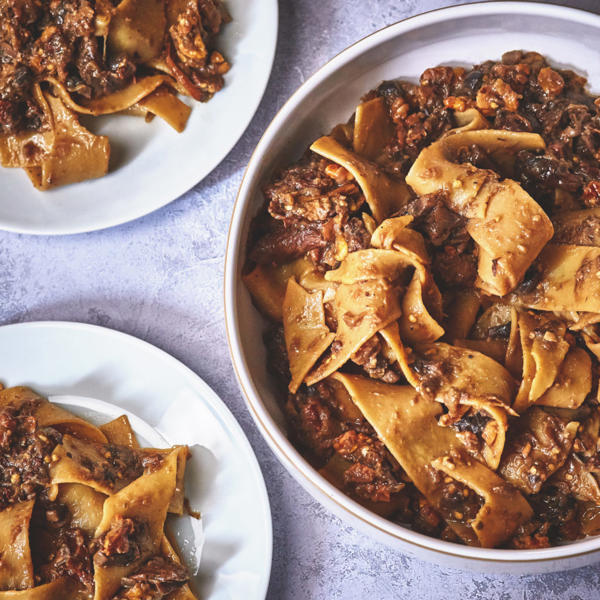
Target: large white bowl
(459, 35)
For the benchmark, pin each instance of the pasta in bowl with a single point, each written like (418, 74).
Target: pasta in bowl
(430, 272)
(83, 507)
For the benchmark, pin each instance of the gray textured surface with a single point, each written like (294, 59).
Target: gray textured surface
(159, 278)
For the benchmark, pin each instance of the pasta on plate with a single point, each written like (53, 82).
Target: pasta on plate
(83, 508)
(63, 58)
(431, 273)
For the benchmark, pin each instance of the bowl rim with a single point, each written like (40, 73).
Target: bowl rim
(293, 461)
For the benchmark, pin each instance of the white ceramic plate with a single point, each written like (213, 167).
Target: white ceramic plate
(99, 374)
(461, 35)
(152, 164)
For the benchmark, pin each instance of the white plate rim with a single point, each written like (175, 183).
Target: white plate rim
(179, 187)
(296, 465)
(206, 395)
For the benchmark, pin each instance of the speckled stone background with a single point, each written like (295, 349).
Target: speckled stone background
(159, 278)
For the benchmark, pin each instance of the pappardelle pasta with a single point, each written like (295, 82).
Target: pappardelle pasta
(63, 58)
(83, 508)
(431, 272)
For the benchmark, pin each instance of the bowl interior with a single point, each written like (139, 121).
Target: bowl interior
(457, 36)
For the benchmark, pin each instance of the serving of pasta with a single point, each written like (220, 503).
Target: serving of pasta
(60, 59)
(430, 272)
(83, 508)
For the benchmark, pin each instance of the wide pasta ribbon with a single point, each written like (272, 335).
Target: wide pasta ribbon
(494, 349)
(544, 348)
(407, 424)
(384, 195)
(119, 432)
(373, 129)
(450, 374)
(461, 312)
(149, 96)
(62, 153)
(60, 589)
(395, 234)
(267, 284)
(82, 462)
(508, 226)
(444, 376)
(370, 265)
(78, 461)
(468, 120)
(362, 308)
(468, 383)
(396, 249)
(67, 152)
(504, 508)
(145, 501)
(306, 334)
(163, 103)
(85, 505)
(137, 29)
(16, 566)
(48, 414)
(573, 382)
(422, 300)
(367, 299)
(553, 373)
(567, 279)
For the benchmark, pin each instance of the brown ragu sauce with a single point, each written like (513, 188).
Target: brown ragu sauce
(122, 543)
(25, 453)
(70, 557)
(58, 547)
(311, 203)
(156, 579)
